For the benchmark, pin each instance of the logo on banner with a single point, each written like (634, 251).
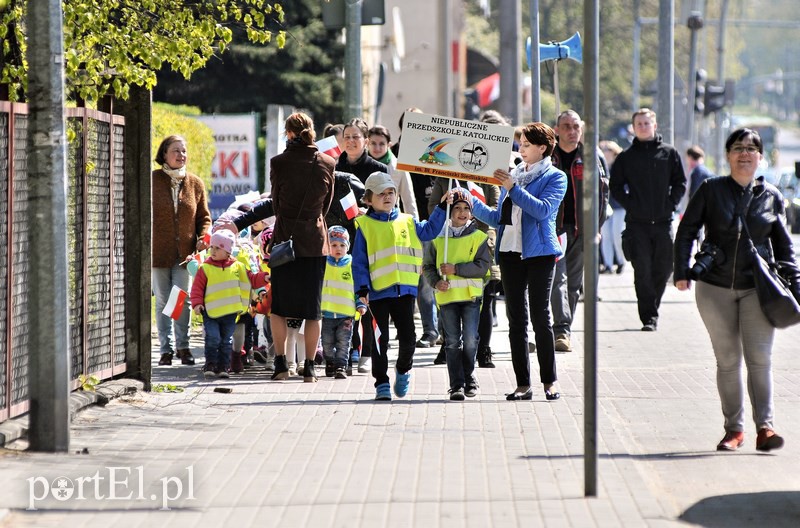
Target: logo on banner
(473, 156)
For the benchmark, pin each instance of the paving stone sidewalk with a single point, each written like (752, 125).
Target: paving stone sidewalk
(294, 454)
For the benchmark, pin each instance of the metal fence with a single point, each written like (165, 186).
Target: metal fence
(95, 224)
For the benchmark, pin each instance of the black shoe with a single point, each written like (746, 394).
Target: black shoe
(281, 368)
(551, 395)
(309, 371)
(471, 390)
(260, 355)
(166, 359)
(650, 327)
(330, 370)
(485, 358)
(425, 342)
(524, 395)
(186, 356)
(341, 373)
(456, 394)
(620, 268)
(441, 358)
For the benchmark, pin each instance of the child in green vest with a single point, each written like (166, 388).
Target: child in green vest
(220, 292)
(387, 262)
(458, 276)
(340, 305)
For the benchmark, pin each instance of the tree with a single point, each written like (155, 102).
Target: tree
(111, 44)
(306, 74)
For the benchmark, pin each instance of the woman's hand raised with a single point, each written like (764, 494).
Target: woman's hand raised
(506, 180)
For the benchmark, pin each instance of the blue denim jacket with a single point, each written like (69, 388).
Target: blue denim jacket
(539, 201)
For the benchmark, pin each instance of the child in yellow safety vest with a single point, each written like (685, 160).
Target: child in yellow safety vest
(340, 305)
(220, 292)
(387, 261)
(458, 275)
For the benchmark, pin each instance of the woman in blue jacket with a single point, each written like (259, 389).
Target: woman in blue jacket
(526, 250)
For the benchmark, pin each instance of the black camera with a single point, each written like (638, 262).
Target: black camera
(708, 256)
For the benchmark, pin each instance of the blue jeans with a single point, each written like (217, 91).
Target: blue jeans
(460, 321)
(219, 340)
(336, 335)
(427, 306)
(163, 281)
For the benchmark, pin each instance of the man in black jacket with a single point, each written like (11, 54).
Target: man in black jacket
(648, 180)
(568, 278)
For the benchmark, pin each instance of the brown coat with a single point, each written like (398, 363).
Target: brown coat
(175, 235)
(292, 179)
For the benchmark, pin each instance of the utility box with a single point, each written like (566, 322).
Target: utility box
(334, 13)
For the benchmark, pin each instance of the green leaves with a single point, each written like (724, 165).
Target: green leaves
(111, 44)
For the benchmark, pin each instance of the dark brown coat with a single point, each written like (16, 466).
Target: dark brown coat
(175, 235)
(292, 179)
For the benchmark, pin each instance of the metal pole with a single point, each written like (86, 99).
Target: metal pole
(536, 70)
(719, 158)
(695, 24)
(666, 70)
(555, 90)
(637, 41)
(352, 61)
(510, 59)
(446, 103)
(591, 239)
(48, 368)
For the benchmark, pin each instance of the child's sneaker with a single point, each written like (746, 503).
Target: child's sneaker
(364, 365)
(383, 392)
(260, 354)
(224, 373)
(457, 394)
(401, 383)
(236, 362)
(354, 356)
(208, 371)
(341, 373)
(330, 369)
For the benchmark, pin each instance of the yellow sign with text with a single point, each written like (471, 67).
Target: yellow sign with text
(454, 148)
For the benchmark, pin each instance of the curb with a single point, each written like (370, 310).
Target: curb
(17, 428)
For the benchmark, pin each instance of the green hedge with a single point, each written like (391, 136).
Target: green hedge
(172, 119)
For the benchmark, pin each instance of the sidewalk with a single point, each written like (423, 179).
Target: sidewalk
(295, 454)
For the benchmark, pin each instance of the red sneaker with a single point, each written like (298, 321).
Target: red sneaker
(732, 441)
(767, 440)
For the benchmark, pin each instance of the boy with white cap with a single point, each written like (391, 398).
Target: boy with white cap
(387, 261)
(220, 292)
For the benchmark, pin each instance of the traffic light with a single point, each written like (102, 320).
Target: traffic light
(714, 100)
(700, 91)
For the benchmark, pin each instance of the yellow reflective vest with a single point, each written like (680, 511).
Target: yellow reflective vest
(227, 289)
(394, 251)
(338, 293)
(460, 250)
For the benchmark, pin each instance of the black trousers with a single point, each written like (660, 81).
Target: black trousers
(365, 348)
(486, 320)
(401, 310)
(651, 247)
(533, 276)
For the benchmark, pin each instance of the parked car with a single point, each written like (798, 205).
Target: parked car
(789, 185)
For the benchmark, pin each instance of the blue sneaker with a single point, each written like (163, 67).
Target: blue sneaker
(383, 392)
(354, 356)
(401, 382)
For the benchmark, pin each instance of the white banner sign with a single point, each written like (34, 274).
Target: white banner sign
(233, 171)
(454, 148)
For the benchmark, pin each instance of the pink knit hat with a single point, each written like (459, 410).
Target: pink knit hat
(223, 239)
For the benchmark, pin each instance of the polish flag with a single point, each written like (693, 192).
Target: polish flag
(329, 146)
(377, 332)
(350, 205)
(174, 307)
(476, 191)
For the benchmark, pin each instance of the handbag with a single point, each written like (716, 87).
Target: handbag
(774, 293)
(283, 252)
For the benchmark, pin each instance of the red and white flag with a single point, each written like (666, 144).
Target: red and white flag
(329, 146)
(174, 307)
(350, 205)
(476, 191)
(377, 332)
